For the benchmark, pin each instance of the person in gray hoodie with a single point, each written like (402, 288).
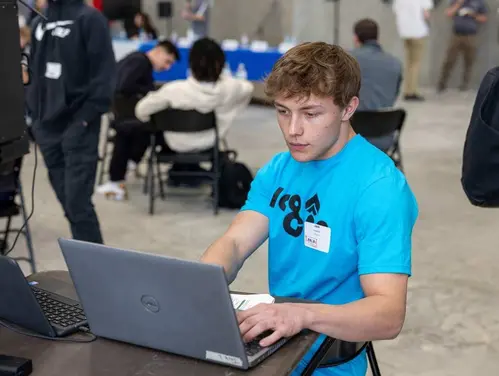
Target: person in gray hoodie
(73, 67)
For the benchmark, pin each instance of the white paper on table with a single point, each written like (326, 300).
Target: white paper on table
(244, 302)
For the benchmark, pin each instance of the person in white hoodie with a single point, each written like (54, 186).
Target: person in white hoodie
(206, 90)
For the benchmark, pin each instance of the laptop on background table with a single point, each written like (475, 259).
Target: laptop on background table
(164, 303)
(34, 309)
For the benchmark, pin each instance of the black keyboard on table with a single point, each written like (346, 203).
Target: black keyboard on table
(64, 314)
(253, 347)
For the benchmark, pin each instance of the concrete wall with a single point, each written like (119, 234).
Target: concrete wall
(309, 20)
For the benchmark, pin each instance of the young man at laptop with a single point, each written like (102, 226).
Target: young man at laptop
(337, 212)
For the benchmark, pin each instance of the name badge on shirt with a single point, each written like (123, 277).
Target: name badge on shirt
(53, 71)
(317, 237)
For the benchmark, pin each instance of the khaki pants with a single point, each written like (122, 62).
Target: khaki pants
(460, 44)
(413, 55)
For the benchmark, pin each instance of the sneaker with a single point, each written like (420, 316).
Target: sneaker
(132, 166)
(114, 191)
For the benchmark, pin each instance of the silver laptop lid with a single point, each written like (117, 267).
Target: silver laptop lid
(178, 306)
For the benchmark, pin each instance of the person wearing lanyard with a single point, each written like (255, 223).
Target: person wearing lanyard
(197, 12)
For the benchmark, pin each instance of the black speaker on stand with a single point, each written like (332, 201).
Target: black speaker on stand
(165, 10)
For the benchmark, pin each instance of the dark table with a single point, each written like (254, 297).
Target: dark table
(111, 358)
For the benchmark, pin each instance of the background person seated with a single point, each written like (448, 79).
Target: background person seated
(140, 27)
(134, 79)
(381, 74)
(205, 91)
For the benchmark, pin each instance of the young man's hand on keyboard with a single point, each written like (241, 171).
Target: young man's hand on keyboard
(284, 320)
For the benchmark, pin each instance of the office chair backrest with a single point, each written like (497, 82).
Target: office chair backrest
(183, 121)
(124, 107)
(378, 123)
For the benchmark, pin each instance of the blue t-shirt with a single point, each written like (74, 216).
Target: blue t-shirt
(364, 213)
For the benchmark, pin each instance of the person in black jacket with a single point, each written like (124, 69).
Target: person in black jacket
(73, 68)
(135, 79)
(480, 169)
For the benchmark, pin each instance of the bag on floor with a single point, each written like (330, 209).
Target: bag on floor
(235, 181)
(480, 170)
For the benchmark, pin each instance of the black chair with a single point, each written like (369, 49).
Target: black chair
(11, 190)
(123, 113)
(108, 141)
(182, 121)
(333, 353)
(372, 124)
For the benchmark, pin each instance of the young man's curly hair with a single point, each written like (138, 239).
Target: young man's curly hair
(317, 68)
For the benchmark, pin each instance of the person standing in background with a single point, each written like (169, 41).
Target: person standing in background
(41, 7)
(73, 68)
(198, 13)
(381, 75)
(412, 23)
(467, 15)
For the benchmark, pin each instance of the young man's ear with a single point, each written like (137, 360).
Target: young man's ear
(350, 109)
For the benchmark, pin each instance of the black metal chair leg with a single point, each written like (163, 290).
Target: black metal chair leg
(150, 174)
(160, 182)
(4, 246)
(399, 162)
(150, 184)
(103, 161)
(216, 197)
(27, 232)
(318, 357)
(373, 363)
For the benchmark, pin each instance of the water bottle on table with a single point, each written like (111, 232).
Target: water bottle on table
(241, 71)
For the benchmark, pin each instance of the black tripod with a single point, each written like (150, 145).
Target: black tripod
(336, 21)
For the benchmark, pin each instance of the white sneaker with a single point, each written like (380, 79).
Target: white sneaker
(114, 191)
(132, 166)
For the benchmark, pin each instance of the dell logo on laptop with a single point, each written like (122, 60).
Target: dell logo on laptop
(150, 303)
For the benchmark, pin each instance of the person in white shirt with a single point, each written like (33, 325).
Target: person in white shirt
(206, 90)
(412, 18)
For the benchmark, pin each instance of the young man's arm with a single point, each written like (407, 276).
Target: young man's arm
(189, 15)
(454, 7)
(378, 316)
(249, 229)
(384, 219)
(481, 15)
(247, 232)
(427, 7)
(130, 74)
(154, 102)
(102, 65)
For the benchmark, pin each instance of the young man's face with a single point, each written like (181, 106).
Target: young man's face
(163, 61)
(314, 128)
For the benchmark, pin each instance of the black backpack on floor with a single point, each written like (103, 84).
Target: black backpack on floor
(235, 181)
(480, 170)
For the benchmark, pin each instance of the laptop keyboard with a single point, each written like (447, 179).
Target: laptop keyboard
(253, 347)
(59, 313)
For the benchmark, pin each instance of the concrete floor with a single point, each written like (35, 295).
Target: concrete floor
(452, 325)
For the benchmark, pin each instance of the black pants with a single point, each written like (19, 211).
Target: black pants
(130, 144)
(71, 155)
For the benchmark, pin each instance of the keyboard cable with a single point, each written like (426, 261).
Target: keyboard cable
(90, 337)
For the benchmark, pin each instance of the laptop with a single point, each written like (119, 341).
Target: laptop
(168, 304)
(33, 308)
